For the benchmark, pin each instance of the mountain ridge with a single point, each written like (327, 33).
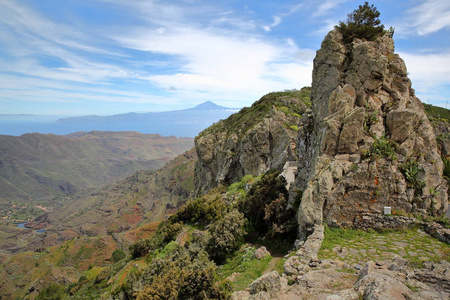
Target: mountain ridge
(165, 123)
(47, 166)
(207, 105)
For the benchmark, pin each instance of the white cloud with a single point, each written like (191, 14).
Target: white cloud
(26, 89)
(328, 25)
(277, 19)
(222, 62)
(429, 72)
(430, 16)
(28, 37)
(326, 6)
(212, 57)
(33, 28)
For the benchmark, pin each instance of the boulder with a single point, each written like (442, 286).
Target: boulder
(261, 252)
(268, 286)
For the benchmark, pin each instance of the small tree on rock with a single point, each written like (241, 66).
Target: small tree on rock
(362, 23)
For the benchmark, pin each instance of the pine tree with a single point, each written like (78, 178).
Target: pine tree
(362, 23)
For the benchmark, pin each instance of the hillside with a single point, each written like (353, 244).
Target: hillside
(42, 169)
(86, 231)
(144, 197)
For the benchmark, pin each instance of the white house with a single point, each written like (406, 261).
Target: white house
(289, 172)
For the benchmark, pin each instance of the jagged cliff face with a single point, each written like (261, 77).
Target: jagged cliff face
(367, 142)
(252, 141)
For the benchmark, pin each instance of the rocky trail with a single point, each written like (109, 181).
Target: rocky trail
(405, 264)
(415, 246)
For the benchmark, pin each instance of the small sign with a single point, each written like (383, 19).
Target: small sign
(387, 210)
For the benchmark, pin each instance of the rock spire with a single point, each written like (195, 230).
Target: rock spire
(367, 142)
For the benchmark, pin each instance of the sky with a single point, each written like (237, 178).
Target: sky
(104, 57)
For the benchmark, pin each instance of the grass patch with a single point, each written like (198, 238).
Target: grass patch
(346, 270)
(412, 288)
(248, 267)
(279, 265)
(341, 237)
(412, 244)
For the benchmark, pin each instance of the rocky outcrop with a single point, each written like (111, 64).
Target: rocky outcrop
(266, 287)
(252, 141)
(367, 142)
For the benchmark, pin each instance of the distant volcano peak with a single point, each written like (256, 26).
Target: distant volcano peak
(209, 105)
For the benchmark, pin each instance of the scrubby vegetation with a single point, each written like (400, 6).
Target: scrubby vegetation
(437, 113)
(410, 168)
(193, 252)
(227, 234)
(266, 207)
(292, 103)
(382, 147)
(246, 265)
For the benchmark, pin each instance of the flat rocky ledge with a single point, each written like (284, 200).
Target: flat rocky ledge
(383, 222)
(394, 265)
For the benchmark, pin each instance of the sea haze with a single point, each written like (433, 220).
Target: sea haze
(180, 123)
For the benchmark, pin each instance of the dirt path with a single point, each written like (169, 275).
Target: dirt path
(272, 264)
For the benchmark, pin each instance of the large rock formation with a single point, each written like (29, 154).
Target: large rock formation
(367, 142)
(256, 139)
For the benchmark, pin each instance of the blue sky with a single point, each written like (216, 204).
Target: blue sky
(83, 57)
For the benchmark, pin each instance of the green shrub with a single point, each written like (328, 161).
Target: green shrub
(237, 189)
(203, 210)
(283, 109)
(370, 119)
(362, 23)
(383, 147)
(266, 206)
(53, 292)
(227, 234)
(166, 232)
(117, 255)
(140, 248)
(181, 274)
(410, 169)
(281, 221)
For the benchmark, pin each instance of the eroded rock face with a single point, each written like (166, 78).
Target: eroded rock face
(367, 142)
(253, 141)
